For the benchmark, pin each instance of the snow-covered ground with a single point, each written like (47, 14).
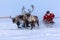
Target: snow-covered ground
(9, 31)
(40, 34)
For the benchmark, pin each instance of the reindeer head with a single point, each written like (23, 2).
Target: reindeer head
(28, 14)
(13, 20)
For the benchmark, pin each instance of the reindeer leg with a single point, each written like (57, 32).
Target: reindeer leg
(27, 24)
(23, 25)
(32, 25)
(38, 23)
(18, 23)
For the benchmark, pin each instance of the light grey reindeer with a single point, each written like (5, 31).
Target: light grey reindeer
(31, 19)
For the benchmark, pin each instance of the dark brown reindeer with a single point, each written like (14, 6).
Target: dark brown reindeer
(17, 20)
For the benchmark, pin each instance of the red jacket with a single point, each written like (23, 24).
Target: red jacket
(48, 17)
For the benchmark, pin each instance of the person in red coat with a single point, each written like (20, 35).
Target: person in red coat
(48, 17)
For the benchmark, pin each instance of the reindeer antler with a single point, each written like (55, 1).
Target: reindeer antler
(23, 8)
(30, 11)
(32, 6)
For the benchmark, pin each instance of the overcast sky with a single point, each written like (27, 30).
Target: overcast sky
(13, 7)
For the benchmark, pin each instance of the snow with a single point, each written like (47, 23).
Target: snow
(9, 31)
(40, 34)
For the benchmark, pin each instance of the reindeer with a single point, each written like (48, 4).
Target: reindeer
(17, 20)
(32, 19)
